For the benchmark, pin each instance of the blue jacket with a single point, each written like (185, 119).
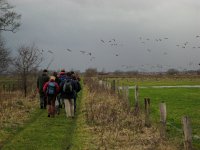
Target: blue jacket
(68, 95)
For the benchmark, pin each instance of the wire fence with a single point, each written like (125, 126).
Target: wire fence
(123, 91)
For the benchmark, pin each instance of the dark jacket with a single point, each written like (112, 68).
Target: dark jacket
(61, 77)
(78, 86)
(41, 81)
(68, 95)
(57, 80)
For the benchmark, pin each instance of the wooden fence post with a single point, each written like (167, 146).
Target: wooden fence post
(187, 130)
(113, 87)
(100, 82)
(123, 93)
(136, 109)
(107, 85)
(4, 88)
(163, 116)
(117, 88)
(127, 95)
(104, 85)
(117, 83)
(147, 112)
(136, 94)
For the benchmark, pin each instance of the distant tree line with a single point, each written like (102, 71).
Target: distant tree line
(92, 72)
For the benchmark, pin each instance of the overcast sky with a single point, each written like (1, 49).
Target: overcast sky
(145, 35)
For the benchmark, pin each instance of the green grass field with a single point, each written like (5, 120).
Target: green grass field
(179, 102)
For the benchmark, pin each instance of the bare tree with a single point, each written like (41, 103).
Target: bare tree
(172, 71)
(9, 20)
(91, 72)
(27, 60)
(4, 56)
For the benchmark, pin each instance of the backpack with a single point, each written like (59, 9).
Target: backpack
(67, 87)
(51, 88)
(78, 87)
(62, 78)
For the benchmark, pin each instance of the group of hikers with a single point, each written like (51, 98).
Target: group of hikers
(58, 89)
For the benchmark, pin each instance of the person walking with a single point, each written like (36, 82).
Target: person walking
(76, 90)
(42, 79)
(51, 90)
(68, 87)
(57, 80)
(62, 77)
(57, 102)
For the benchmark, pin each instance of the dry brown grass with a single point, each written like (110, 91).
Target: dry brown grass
(14, 111)
(114, 126)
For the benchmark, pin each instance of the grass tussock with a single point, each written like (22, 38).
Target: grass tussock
(14, 111)
(114, 126)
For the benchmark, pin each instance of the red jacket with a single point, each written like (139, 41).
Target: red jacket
(46, 85)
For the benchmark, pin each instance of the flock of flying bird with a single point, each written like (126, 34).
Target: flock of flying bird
(113, 43)
(116, 44)
(183, 45)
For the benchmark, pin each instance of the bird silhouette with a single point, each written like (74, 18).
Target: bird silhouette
(83, 52)
(185, 43)
(123, 65)
(148, 50)
(69, 50)
(102, 41)
(197, 36)
(50, 51)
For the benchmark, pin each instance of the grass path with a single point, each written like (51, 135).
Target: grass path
(44, 133)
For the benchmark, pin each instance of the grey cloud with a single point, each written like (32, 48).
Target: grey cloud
(81, 24)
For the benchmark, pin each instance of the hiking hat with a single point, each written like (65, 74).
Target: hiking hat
(62, 70)
(45, 70)
(52, 78)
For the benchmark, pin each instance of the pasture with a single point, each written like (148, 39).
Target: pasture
(180, 101)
